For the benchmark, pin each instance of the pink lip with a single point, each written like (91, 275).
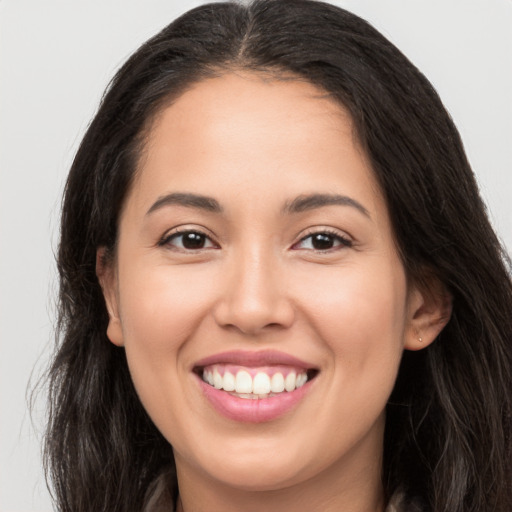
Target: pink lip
(248, 410)
(252, 411)
(254, 359)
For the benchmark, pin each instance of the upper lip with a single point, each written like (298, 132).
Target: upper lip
(254, 359)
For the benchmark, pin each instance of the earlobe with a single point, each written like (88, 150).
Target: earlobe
(429, 312)
(106, 274)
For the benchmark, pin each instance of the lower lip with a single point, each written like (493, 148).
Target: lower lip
(252, 410)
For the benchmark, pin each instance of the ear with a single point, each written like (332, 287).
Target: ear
(429, 310)
(106, 273)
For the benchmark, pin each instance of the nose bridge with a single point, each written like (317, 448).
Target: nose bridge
(254, 296)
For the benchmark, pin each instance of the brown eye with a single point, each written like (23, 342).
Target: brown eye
(193, 240)
(323, 241)
(188, 240)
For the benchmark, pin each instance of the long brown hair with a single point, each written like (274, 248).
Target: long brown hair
(448, 428)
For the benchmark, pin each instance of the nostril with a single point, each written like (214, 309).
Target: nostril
(274, 325)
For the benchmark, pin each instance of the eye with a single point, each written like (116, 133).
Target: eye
(189, 240)
(322, 241)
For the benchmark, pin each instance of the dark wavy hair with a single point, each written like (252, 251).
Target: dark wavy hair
(448, 423)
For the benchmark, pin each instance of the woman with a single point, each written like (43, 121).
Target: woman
(279, 287)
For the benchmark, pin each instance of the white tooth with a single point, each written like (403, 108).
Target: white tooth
(289, 382)
(217, 379)
(277, 383)
(229, 382)
(248, 396)
(302, 378)
(243, 382)
(208, 377)
(261, 384)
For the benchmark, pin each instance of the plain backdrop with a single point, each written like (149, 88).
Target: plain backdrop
(56, 57)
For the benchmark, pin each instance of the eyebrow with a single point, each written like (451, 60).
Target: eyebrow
(312, 201)
(299, 204)
(187, 199)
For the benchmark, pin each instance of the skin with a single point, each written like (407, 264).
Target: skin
(255, 144)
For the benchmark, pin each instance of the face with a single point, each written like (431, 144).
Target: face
(257, 288)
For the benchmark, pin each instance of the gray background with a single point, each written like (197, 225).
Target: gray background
(56, 58)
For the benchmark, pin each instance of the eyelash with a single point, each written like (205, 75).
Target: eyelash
(334, 237)
(166, 239)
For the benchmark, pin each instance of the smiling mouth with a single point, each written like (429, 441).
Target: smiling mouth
(255, 383)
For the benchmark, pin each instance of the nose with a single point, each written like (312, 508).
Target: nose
(253, 296)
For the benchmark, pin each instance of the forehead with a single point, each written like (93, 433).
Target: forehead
(251, 129)
(254, 104)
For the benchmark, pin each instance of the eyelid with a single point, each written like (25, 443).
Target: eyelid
(345, 240)
(183, 230)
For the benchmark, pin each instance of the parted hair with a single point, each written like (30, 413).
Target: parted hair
(448, 422)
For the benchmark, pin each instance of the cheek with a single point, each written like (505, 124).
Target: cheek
(162, 305)
(360, 313)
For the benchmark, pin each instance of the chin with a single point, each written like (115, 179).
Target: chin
(260, 477)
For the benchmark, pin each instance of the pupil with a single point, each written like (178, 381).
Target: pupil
(193, 241)
(322, 241)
